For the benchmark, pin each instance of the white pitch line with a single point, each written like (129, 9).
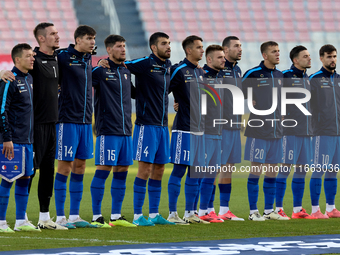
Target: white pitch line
(75, 239)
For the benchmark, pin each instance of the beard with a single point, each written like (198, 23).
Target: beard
(162, 54)
(55, 47)
(331, 67)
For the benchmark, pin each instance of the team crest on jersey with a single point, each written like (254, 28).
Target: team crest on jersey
(201, 77)
(239, 74)
(308, 82)
(261, 75)
(169, 70)
(294, 75)
(279, 81)
(125, 75)
(73, 57)
(187, 72)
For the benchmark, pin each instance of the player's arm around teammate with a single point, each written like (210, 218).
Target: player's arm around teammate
(151, 134)
(74, 127)
(112, 97)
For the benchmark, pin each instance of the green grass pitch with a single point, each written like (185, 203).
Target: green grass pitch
(158, 234)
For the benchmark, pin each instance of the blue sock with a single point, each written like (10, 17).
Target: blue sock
(97, 190)
(60, 193)
(191, 190)
(198, 194)
(315, 187)
(225, 190)
(298, 188)
(76, 192)
(269, 192)
(206, 190)
(154, 191)
(5, 189)
(253, 190)
(212, 198)
(21, 197)
(281, 184)
(118, 187)
(330, 186)
(139, 190)
(174, 186)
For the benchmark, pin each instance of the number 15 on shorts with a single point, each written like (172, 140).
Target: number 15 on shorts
(111, 155)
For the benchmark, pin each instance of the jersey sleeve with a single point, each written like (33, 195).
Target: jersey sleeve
(137, 66)
(96, 76)
(176, 78)
(7, 91)
(246, 83)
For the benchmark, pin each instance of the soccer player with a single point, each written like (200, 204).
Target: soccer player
(112, 97)
(264, 144)
(213, 135)
(325, 104)
(74, 129)
(17, 131)
(297, 143)
(187, 142)
(45, 104)
(151, 133)
(231, 139)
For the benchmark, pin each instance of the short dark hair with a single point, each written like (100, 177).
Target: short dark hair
(327, 48)
(83, 30)
(189, 41)
(294, 53)
(266, 45)
(112, 39)
(17, 50)
(40, 29)
(155, 36)
(212, 48)
(226, 41)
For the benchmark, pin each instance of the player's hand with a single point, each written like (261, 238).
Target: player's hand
(6, 75)
(103, 63)
(254, 102)
(8, 150)
(176, 106)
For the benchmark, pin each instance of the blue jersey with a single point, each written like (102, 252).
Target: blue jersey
(112, 100)
(17, 109)
(232, 75)
(263, 80)
(152, 89)
(75, 79)
(187, 85)
(325, 102)
(296, 78)
(214, 107)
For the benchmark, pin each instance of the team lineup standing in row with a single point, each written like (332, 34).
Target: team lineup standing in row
(195, 141)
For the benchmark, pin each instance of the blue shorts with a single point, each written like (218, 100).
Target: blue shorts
(213, 150)
(187, 149)
(29, 170)
(326, 152)
(297, 150)
(231, 146)
(151, 144)
(74, 141)
(263, 151)
(113, 150)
